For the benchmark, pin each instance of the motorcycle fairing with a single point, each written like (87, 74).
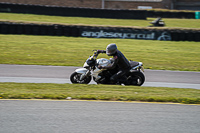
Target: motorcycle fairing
(81, 70)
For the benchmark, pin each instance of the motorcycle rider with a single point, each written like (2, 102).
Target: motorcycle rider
(119, 60)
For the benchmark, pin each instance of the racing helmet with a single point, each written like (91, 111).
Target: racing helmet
(111, 49)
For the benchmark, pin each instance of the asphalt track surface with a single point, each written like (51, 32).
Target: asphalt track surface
(47, 116)
(61, 74)
(51, 116)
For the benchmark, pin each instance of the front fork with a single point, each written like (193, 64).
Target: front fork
(85, 75)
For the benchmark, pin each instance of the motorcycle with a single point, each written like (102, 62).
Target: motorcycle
(102, 76)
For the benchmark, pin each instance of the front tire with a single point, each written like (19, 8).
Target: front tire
(137, 78)
(75, 78)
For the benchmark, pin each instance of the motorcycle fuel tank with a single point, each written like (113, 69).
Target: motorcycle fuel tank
(104, 62)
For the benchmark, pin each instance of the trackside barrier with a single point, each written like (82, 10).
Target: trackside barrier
(70, 11)
(92, 12)
(99, 32)
(167, 14)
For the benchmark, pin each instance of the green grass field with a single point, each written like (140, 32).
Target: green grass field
(98, 92)
(72, 51)
(178, 23)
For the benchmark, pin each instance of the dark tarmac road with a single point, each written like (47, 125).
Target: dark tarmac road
(61, 74)
(48, 116)
(43, 116)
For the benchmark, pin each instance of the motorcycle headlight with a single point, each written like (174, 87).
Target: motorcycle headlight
(85, 65)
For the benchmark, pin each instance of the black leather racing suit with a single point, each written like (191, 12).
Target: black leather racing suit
(121, 61)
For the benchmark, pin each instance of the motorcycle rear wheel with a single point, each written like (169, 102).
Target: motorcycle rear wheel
(75, 78)
(137, 78)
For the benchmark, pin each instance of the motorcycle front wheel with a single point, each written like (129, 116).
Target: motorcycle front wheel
(137, 78)
(75, 78)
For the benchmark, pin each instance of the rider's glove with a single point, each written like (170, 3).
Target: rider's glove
(100, 67)
(101, 51)
(98, 51)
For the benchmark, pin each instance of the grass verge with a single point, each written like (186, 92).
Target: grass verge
(98, 92)
(73, 51)
(175, 23)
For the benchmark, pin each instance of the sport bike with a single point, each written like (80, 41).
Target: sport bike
(91, 71)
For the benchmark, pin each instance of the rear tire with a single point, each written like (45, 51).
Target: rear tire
(137, 78)
(75, 78)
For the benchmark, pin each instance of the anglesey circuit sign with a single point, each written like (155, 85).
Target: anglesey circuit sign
(147, 35)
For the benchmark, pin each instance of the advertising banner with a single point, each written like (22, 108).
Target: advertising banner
(133, 34)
